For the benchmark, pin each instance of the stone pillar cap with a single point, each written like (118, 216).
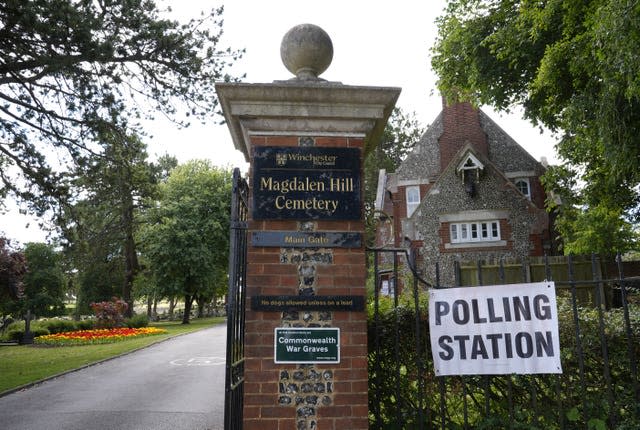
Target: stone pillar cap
(306, 51)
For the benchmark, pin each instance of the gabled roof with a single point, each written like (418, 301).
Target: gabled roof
(423, 162)
(425, 156)
(462, 155)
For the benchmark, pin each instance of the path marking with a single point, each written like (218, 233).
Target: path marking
(198, 361)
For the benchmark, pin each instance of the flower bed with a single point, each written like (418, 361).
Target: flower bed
(97, 336)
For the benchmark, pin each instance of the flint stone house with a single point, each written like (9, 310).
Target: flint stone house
(466, 192)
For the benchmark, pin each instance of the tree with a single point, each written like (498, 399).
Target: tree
(114, 185)
(587, 229)
(572, 67)
(100, 279)
(43, 281)
(73, 70)
(186, 235)
(399, 136)
(12, 270)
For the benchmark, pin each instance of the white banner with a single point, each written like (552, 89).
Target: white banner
(495, 330)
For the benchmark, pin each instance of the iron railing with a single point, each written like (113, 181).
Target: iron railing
(234, 379)
(599, 323)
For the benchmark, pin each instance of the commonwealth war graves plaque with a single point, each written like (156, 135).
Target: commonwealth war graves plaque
(306, 345)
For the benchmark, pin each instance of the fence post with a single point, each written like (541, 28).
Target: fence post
(599, 293)
(630, 341)
(576, 321)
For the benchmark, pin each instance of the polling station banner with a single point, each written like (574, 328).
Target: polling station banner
(495, 330)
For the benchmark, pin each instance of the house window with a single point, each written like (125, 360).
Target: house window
(413, 199)
(388, 288)
(480, 231)
(522, 184)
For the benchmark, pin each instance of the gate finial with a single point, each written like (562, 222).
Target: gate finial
(306, 51)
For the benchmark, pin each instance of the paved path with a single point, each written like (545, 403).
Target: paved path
(177, 384)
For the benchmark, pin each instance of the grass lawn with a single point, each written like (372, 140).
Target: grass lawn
(23, 364)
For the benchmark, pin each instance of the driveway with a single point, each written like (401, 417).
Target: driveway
(177, 384)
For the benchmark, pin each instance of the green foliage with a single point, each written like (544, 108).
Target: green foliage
(100, 228)
(17, 334)
(49, 326)
(599, 230)
(389, 355)
(186, 235)
(100, 279)
(517, 401)
(59, 326)
(75, 69)
(599, 227)
(569, 65)
(85, 324)
(15, 330)
(44, 281)
(137, 321)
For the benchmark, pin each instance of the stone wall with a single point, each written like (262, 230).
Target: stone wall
(448, 196)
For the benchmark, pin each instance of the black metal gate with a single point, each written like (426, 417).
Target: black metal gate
(234, 381)
(599, 322)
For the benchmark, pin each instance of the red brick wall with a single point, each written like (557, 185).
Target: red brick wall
(461, 124)
(269, 273)
(538, 194)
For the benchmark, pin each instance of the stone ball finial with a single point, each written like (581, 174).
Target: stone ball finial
(306, 51)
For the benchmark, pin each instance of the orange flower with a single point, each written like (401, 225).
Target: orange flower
(84, 337)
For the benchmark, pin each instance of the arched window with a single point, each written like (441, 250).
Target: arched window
(522, 184)
(413, 199)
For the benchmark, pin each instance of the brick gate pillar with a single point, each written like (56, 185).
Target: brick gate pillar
(306, 325)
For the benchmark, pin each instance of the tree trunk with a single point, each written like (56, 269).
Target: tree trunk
(149, 304)
(130, 255)
(172, 306)
(188, 300)
(202, 302)
(155, 305)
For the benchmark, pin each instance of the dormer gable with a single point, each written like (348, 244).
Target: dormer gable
(469, 162)
(468, 168)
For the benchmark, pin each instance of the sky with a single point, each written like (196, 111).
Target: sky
(375, 43)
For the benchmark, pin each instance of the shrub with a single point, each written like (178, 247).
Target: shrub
(16, 334)
(137, 321)
(85, 324)
(393, 375)
(59, 326)
(109, 314)
(39, 331)
(19, 324)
